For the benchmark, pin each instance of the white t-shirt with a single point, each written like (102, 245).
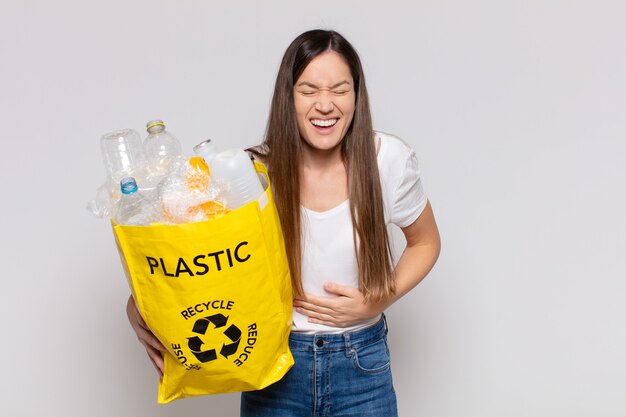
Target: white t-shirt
(328, 253)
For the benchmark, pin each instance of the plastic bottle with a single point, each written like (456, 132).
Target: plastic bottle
(207, 150)
(159, 148)
(121, 152)
(134, 208)
(235, 170)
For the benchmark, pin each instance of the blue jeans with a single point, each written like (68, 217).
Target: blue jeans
(334, 375)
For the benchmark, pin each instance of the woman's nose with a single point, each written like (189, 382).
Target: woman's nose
(324, 103)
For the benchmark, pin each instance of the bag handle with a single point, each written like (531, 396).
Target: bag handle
(262, 169)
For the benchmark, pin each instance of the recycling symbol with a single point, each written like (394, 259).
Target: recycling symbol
(201, 326)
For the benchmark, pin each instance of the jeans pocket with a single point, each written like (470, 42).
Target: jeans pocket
(373, 358)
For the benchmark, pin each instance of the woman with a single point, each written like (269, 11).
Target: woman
(337, 184)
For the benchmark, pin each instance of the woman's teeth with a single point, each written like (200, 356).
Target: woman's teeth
(324, 123)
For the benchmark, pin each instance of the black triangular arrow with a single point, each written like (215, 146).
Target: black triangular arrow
(195, 343)
(233, 333)
(205, 356)
(228, 350)
(201, 325)
(218, 319)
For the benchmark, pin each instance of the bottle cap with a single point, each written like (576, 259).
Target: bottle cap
(128, 185)
(155, 126)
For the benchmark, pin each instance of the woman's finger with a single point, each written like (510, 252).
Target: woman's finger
(315, 311)
(148, 338)
(143, 332)
(156, 358)
(319, 304)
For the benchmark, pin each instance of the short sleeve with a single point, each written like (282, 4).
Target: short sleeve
(409, 198)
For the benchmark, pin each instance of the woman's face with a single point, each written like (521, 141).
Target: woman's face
(324, 100)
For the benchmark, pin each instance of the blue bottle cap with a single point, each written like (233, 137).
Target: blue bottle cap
(128, 185)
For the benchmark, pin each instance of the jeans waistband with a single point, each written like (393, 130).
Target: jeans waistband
(339, 341)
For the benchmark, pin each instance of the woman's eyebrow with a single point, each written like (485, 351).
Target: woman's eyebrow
(310, 84)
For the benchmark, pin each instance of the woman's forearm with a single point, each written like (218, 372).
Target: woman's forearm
(419, 256)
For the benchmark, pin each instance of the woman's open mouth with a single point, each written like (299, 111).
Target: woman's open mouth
(323, 124)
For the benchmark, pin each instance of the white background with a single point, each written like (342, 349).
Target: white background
(517, 110)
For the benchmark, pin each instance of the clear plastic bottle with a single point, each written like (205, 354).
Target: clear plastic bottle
(207, 150)
(159, 148)
(133, 208)
(120, 152)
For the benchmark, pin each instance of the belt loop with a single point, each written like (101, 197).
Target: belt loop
(385, 321)
(346, 338)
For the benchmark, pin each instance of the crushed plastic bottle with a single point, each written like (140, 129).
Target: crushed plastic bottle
(134, 208)
(189, 195)
(103, 204)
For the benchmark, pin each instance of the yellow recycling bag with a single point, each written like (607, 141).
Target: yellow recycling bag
(217, 294)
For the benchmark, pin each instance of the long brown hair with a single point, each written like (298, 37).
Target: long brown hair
(282, 150)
